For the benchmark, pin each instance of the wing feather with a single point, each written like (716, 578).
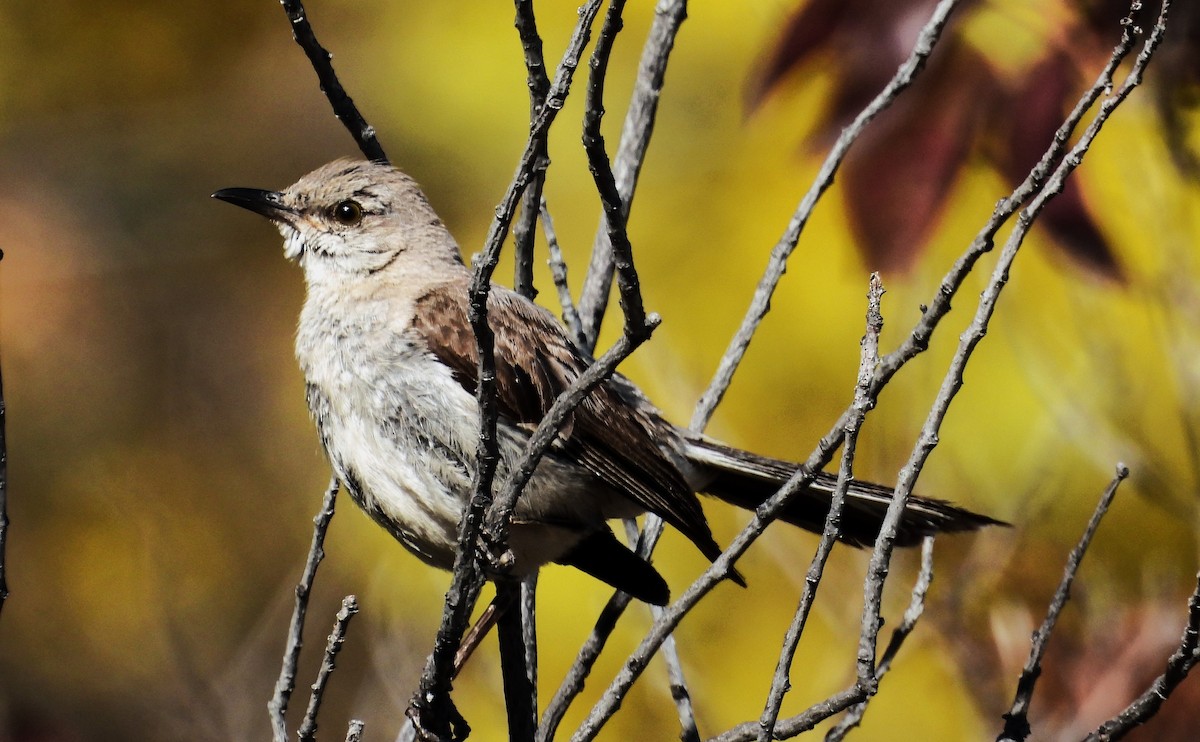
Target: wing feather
(610, 434)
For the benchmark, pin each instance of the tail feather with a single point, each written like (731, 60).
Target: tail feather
(602, 556)
(747, 480)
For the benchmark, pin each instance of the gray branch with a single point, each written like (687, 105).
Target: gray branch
(321, 61)
(1016, 721)
(869, 358)
(1178, 667)
(631, 153)
(286, 683)
(308, 727)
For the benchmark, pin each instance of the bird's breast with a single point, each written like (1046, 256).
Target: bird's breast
(400, 431)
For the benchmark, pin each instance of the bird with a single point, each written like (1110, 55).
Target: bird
(390, 360)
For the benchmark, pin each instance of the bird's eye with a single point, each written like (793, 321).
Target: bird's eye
(347, 213)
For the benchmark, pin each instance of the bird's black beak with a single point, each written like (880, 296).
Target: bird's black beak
(267, 203)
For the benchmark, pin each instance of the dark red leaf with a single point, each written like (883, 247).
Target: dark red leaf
(900, 173)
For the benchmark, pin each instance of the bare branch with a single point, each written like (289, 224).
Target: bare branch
(869, 358)
(354, 732)
(798, 724)
(539, 85)
(670, 617)
(291, 654)
(343, 105)
(636, 662)
(572, 684)
(519, 696)
(1016, 721)
(853, 699)
(939, 305)
(308, 727)
(1178, 667)
(908, 622)
(529, 632)
(473, 638)
(558, 271)
(631, 153)
(606, 184)
(688, 730)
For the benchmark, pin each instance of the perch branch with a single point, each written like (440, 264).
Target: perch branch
(539, 85)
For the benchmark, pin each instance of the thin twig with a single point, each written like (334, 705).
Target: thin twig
(688, 729)
(343, 105)
(853, 699)
(636, 322)
(1016, 721)
(308, 727)
(761, 302)
(869, 357)
(572, 683)
(539, 85)
(291, 653)
(719, 570)
(529, 633)
(474, 637)
(1178, 667)
(520, 672)
(354, 732)
(939, 306)
(606, 184)
(908, 622)
(631, 153)
(798, 724)
(670, 617)
(558, 272)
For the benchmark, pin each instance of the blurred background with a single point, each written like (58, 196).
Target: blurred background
(164, 471)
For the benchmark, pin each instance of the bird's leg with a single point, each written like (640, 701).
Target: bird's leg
(474, 637)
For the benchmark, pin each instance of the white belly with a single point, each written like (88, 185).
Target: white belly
(401, 433)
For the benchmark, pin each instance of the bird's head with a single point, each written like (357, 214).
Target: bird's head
(352, 218)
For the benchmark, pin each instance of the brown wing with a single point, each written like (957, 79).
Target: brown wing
(535, 362)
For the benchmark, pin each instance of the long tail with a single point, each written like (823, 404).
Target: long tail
(745, 479)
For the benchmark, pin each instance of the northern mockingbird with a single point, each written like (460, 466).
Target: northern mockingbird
(389, 362)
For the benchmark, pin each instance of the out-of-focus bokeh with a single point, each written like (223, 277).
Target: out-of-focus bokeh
(164, 471)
